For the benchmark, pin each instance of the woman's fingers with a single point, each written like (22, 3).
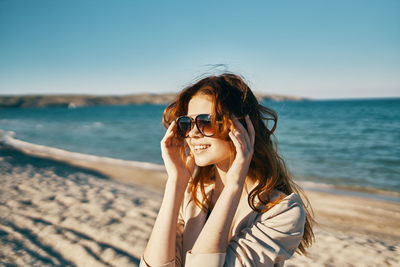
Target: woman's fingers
(169, 133)
(236, 142)
(241, 133)
(171, 128)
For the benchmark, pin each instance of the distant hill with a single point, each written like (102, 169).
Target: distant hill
(28, 101)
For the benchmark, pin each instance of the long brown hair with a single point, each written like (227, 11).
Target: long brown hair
(233, 98)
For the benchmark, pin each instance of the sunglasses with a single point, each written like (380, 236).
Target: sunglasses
(202, 121)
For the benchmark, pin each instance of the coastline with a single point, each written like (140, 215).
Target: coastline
(73, 101)
(369, 193)
(82, 212)
(127, 168)
(117, 169)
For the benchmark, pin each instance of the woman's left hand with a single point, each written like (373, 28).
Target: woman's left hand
(244, 143)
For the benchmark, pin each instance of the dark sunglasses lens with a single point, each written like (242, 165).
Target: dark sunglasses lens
(184, 126)
(204, 123)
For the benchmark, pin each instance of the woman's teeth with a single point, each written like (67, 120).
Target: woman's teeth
(200, 148)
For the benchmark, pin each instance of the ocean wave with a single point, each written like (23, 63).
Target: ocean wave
(94, 125)
(9, 139)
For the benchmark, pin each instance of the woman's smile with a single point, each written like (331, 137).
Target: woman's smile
(197, 149)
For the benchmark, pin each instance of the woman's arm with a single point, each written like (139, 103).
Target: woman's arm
(160, 248)
(214, 236)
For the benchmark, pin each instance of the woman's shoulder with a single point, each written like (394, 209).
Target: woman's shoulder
(290, 199)
(289, 210)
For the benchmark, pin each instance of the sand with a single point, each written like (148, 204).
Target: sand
(55, 214)
(352, 231)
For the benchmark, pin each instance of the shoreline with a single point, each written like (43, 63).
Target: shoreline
(368, 193)
(109, 166)
(117, 169)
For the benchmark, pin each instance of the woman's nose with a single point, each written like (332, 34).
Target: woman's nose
(194, 132)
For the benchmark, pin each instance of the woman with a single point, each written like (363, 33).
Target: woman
(228, 200)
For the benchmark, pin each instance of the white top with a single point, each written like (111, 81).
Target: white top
(259, 239)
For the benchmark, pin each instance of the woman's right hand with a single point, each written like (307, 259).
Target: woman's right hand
(177, 168)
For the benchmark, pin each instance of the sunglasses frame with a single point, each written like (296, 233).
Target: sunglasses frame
(193, 121)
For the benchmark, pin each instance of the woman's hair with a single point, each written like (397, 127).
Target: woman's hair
(233, 98)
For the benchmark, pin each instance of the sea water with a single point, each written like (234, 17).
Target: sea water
(350, 143)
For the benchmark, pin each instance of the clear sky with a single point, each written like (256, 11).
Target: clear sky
(317, 49)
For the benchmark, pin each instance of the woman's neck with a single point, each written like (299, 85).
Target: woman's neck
(221, 177)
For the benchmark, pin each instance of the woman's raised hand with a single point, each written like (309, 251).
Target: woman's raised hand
(177, 168)
(244, 143)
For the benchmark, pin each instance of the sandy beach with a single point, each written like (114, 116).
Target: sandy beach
(57, 214)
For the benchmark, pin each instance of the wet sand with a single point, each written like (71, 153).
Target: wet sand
(56, 214)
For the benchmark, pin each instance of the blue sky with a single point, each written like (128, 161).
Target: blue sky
(317, 49)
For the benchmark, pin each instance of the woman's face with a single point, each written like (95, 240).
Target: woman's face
(206, 150)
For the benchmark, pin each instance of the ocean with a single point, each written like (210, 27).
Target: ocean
(351, 144)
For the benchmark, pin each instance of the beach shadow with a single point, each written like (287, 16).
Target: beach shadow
(54, 259)
(11, 159)
(62, 230)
